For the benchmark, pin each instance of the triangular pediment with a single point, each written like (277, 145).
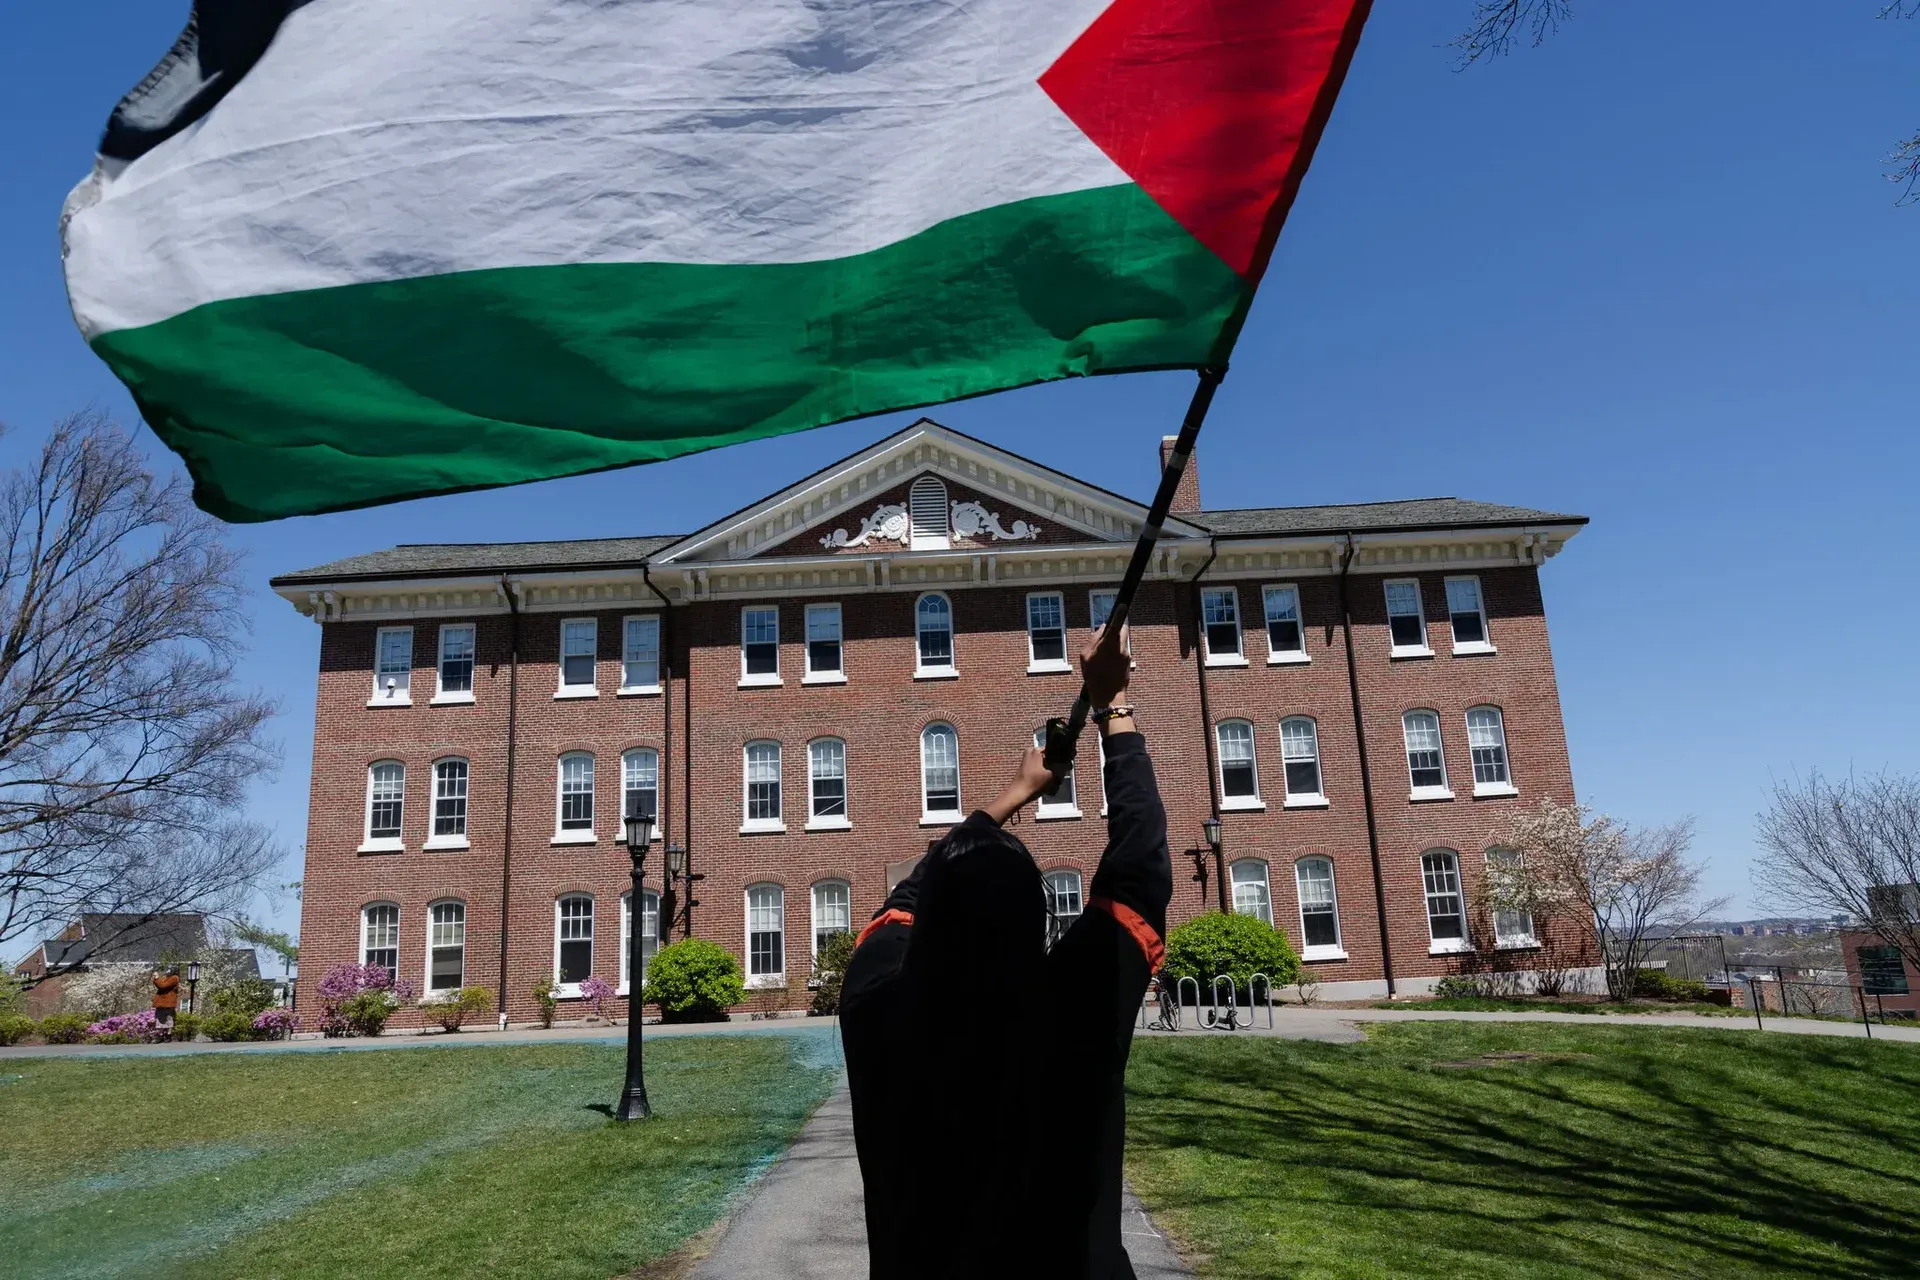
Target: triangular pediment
(859, 505)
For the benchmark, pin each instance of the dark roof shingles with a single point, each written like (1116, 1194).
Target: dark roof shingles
(1411, 513)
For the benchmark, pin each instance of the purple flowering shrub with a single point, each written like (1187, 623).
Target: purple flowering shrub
(129, 1028)
(357, 999)
(276, 1024)
(598, 990)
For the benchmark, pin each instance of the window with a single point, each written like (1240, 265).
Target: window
(933, 623)
(1250, 894)
(832, 911)
(1512, 924)
(386, 798)
(927, 512)
(760, 646)
(640, 783)
(1063, 903)
(939, 774)
(573, 942)
(1286, 637)
(1487, 745)
(1300, 753)
(766, 934)
(640, 655)
(1220, 612)
(449, 802)
(393, 665)
(1468, 615)
(827, 783)
(456, 664)
(1882, 971)
(1046, 632)
(447, 946)
(763, 787)
(649, 934)
(1239, 782)
(1425, 765)
(576, 796)
(1319, 911)
(823, 644)
(1061, 801)
(579, 643)
(1405, 622)
(380, 936)
(1100, 608)
(1446, 911)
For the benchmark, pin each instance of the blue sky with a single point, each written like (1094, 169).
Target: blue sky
(1648, 272)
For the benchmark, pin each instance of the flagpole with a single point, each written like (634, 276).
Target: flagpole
(1063, 736)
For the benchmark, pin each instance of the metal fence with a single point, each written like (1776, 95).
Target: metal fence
(1802, 998)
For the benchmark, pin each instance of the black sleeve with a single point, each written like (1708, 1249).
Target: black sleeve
(1135, 870)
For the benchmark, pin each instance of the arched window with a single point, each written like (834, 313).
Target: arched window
(386, 798)
(1239, 780)
(1506, 885)
(1064, 903)
(1319, 908)
(766, 934)
(449, 802)
(1063, 801)
(1251, 895)
(1426, 764)
(832, 911)
(933, 624)
(572, 942)
(1446, 907)
(1487, 744)
(762, 781)
(927, 510)
(827, 783)
(640, 784)
(576, 797)
(380, 936)
(939, 774)
(1300, 753)
(446, 946)
(649, 934)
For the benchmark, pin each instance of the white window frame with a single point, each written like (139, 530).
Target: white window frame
(1093, 611)
(813, 903)
(1484, 645)
(427, 988)
(1504, 786)
(365, 923)
(1395, 649)
(1445, 946)
(837, 675)
(921, 671)
(1417, 792)
(571, 990)
(1058, 922)
(760, 679)
(1237, 658)
(626, 936)
(630, 754)
(842, 821)
(627, 688)
(1227, 802)
(383, 844)
(929, 541)
(1064, 805)
(943, 817)
(1044, 666)
(576, 835)
(402, 695)
(777, 823)
(1284, 657)
(1518, 939)
(453, 840)
(776, 978)
(591, 689)
(1321, 951)
(441, 696)
(1263, 909)
(1317, 798)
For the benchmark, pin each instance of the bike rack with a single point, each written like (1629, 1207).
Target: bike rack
(1212, 1019)
(1180, 1004)
(1266, 982)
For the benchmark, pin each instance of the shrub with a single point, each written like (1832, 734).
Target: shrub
(244, 995)
(830, 970)
(1309, 986)
(63, 1028)
(229, 1027)
(128, 1028)
(545, 995)
(13, 994)
(276, 1024)
(357, 999)
(694, 981)
(1235, 945)
(15, 1027)
(186, 1026)
(1654, 984)
(452, 1008)
(598, 990)
(1459, 986)
(366, 1014)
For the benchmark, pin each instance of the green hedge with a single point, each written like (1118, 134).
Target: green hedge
(1235, 945)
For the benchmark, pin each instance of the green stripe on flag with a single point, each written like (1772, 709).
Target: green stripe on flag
(296, 403)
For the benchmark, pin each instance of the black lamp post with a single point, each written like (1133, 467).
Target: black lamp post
(1210, 827)
(633, 1099)
(193, 982)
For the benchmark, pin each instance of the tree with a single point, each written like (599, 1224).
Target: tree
(1847, 848)
(1624, 887)
(281, 944)
(125, 746)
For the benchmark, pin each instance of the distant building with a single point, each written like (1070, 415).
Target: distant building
(1884, 974)
(99, 938)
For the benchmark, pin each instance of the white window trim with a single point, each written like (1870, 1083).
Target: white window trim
(441, 698)
(1238, 804)
(426, 959)
(590, 835)
(945, 817)
(833, 821)
(762, 826)
(447, 842)
(1419, 794)
(657, 829)
(1266, 880)
(385, 844)
(1047, 666)
(762, 981)
(1471, 647)
(1494, 790)
(1239, 657)
(433, 799)
(764, 680)
(813, 911)
(1286, 657)
(1491, 790)
(1425, 648)
(571, 990)
(1337, 951)
(361, 958)
(1306, 799)
(1446, 946)
(564, 690)
(1055, 811)
(1126, 628)
(839, 675)
(405, 699)
(626, 939)
(638, 690)
(951, 670)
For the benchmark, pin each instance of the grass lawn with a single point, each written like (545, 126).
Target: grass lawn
(1616, 1151)
(1534, 1004)
(428, 1162)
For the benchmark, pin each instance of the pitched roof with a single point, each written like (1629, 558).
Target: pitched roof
(1409, 513)
(128, 938)
(460, 559)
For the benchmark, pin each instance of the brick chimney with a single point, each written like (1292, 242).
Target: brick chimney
(1186, 499)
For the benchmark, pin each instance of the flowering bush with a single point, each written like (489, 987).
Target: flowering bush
(598, 990)
(357, 999)
(276, 1024)
(129, 1028)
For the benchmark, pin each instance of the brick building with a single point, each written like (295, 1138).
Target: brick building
(808, 690)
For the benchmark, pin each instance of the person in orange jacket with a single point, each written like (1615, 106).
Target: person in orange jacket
(166, 994)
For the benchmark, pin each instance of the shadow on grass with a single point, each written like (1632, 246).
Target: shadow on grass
(1651, 1152)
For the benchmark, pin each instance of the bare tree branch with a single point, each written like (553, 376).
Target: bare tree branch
(1498, 24)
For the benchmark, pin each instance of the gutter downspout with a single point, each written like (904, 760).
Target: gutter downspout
(1206, 714)
(1366, 770)
(512, 592)
(666, 737)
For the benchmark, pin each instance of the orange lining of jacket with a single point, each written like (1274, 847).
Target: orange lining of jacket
(1135, 924)
(892, 915)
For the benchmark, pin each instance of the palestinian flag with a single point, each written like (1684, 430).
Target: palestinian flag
(350, 251)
